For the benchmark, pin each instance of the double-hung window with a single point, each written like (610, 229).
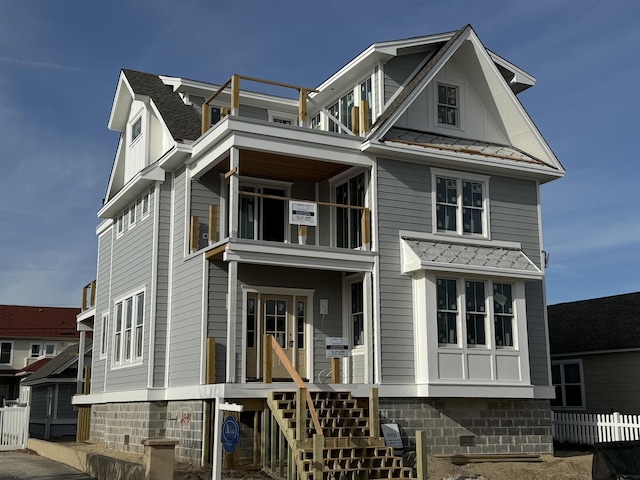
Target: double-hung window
(448, 105)
(103, 335)
(36, 348)
(460, 203)
(128, 333)
(503, 314)
(567, 378)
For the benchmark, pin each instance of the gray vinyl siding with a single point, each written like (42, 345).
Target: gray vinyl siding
(403, 204)
(514, 213)
(103, 281)
(132, 272)
(536, 331)
(217, 315)
(254, 112)
(397, 71)
(612, 382)
(163, 203)
(186, 306)
(326, 285)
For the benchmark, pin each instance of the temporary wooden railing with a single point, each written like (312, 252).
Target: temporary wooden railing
(365, 217)
(271, 345)
(194, 229)
(234, 82)
(89, 295)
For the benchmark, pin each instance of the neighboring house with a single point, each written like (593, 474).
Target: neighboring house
(595, 354)
(30, 334)
(50, 389)
(418, 239)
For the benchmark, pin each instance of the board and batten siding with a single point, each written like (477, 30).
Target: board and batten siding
(185, 334)
(162, 201)
(103, 284)
(397, 71)
(131, 272)
(403, 204)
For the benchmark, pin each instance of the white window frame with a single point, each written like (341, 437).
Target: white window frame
(104, 335)
(429, 352)
(137, 121)
(563, 384)
(324, 120)
(461, 90)
(348, 314)
(146, 199)
(120, 225)
(46, 348)
(334, 183)
(10, 362)
(39, 353)
(124, 344)
(133, 215)
(460, 177)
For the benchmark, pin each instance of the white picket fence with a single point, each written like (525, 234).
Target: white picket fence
(590, 428)
(14, 427)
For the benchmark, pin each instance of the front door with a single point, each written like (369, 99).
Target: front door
(284, 317)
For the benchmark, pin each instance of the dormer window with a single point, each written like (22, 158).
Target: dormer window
(136, 129)
(448, 105)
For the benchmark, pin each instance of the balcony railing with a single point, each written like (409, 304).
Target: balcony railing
(351, 224)
(89, 296)
(359, 114)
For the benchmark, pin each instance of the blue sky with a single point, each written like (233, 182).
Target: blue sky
(60, 60)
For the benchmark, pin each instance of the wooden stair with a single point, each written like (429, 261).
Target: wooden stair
(348, 450)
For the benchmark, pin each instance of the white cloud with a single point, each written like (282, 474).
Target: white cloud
(30, 63)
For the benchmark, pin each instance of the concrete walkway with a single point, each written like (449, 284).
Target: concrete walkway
(22, 466)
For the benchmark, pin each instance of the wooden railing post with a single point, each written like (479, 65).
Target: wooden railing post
(193, 234)
(235, 94)
(211, 361)
(302, 107)
(301, 414)
(335, 370)
(267, 360)
(206, 118)
(86, 390)
(318, 457)
(374, 413)
(421, 455)
(364, 117)
(355, 120)
(366, 229)
(213, 224)
(92, 300)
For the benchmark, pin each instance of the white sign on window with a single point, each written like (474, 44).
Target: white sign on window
(303, 213)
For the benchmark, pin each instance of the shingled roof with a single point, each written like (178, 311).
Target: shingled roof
(58, 366)
(608, 323)
(182, 120)
(18, 321)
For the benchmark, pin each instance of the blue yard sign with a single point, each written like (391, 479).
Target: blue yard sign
(230, 434)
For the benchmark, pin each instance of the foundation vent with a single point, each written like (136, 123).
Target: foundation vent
(467, 440)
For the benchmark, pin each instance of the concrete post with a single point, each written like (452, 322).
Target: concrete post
(157, 460)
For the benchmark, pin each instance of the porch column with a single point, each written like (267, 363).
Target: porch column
(81, 348)
(232, 278)
(367, 300)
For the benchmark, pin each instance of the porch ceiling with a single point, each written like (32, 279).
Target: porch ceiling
(283, 167)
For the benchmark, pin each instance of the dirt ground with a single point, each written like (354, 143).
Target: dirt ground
(565, 465)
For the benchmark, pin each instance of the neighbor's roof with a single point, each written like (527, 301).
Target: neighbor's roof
(17, 321)
(57, 365)
(609, 323)
(182, 120)
(458, 144)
